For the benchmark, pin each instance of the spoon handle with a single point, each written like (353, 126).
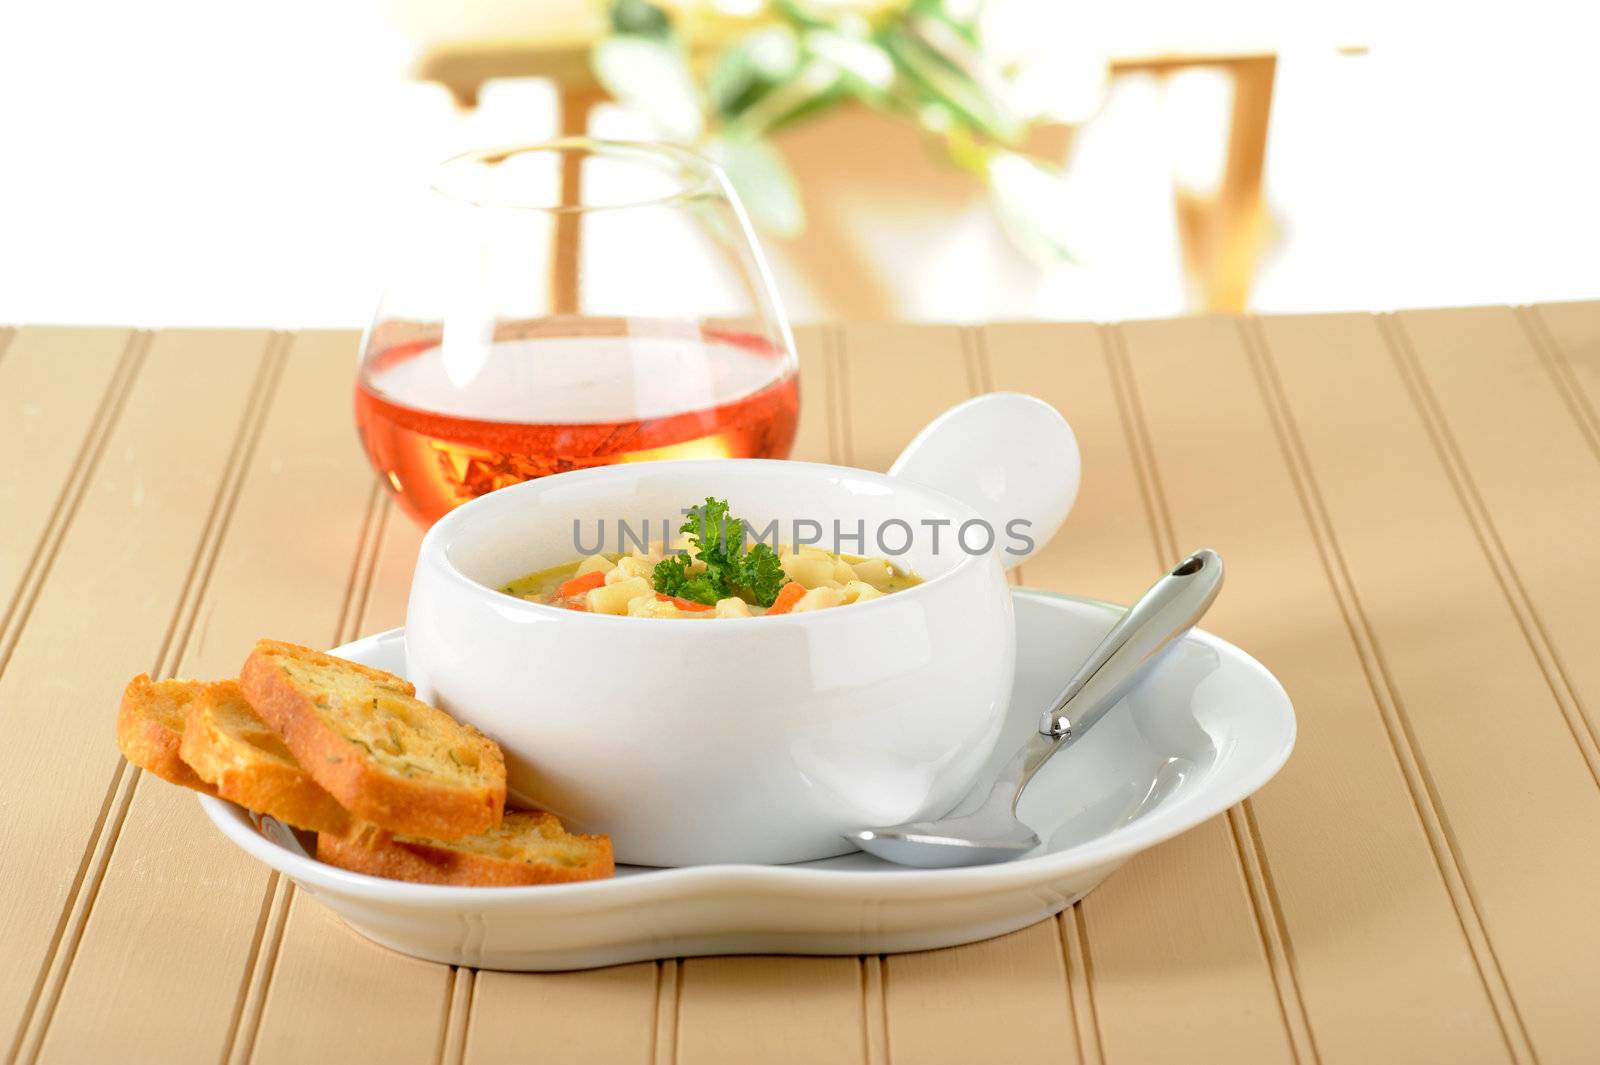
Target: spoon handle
(1169, 609)
(1163, 614)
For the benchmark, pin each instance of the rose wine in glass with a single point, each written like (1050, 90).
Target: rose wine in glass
(582, 303)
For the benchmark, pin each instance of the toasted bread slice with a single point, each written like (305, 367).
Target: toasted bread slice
(231, 748)
(150, 723)
(387, 757)
(526, 848)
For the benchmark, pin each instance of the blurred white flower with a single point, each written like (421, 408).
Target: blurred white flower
(865, 60)
(729, 8)
(773, 51)
(1035, 206)
(860, 7)
(763, 182)
(1055, 68)
(751, 8)
(652, 78)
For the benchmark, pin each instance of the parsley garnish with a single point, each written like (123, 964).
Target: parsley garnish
(671, 577)
(761, 573)
(718, 544)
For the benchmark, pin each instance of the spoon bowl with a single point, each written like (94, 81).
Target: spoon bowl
(951, 842)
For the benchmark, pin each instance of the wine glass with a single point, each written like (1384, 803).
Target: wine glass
(569, 304)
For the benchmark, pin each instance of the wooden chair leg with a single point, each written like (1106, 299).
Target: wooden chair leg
(464, 94)
(566, 250)
(1240, 220)
(1223, 232)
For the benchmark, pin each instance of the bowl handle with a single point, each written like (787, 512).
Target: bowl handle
(1013, 458)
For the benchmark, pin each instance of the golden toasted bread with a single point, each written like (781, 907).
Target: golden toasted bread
(526, 848)
(150, 723)
(387, 757)
(231, 748)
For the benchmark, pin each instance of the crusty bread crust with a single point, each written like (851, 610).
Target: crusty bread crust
(150, 722)
(226, 744)
(425, 805)
(421, 862)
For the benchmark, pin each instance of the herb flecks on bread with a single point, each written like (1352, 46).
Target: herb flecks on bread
(228, 745)
(150, 723)
(387, 757)
(525, 848)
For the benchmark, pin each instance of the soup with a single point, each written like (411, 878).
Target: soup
(712, 573)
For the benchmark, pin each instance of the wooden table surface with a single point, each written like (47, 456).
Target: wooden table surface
(1409, 506)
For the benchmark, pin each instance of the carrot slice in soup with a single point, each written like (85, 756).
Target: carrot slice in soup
(682, 604)
(579, 585)
(788, 596)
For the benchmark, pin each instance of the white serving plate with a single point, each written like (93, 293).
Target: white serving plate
(1207, 728)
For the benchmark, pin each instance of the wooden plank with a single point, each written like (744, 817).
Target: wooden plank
(725, 1006)
(1497, 751)
(1571, 338)
(1107, 548)
(1183, 908)
(564, 1018)
(336, 997)
(117, 588)
(1531, 483)
(1080, 994)
(894, 380)
(925, 369)
(171, 868)
(1014, 992)
(57, 391)
(1339, 828)
(1175, 959)
(391, 581)
(1003, 999)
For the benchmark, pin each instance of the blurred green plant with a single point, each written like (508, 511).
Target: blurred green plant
(941, 64)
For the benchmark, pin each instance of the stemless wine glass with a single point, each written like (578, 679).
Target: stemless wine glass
(570, 304)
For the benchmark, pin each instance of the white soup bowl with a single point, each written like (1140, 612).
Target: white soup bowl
(758, 739)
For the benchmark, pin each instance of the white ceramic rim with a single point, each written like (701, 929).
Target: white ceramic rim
(1160, 825)
(433, 549)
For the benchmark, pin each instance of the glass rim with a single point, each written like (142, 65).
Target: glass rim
(697, 174)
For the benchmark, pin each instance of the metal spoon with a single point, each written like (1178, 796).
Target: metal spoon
(991, 832)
